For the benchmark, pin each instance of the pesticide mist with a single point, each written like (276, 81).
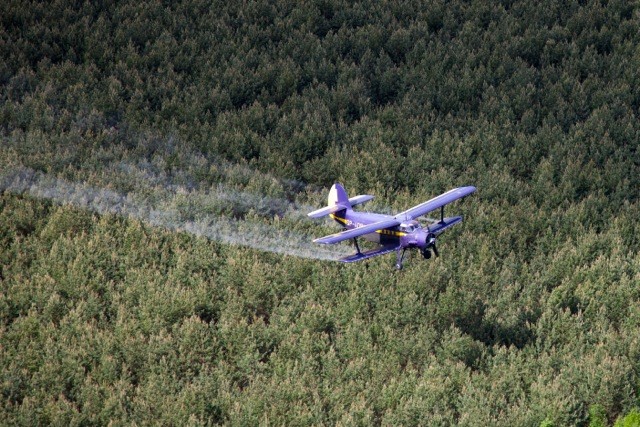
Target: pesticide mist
(179, 201)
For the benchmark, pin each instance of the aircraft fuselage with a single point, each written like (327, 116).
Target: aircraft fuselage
(406, 235)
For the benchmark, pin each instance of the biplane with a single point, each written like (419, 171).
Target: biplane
(392, 233)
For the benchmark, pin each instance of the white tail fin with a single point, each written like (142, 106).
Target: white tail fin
(338, 196)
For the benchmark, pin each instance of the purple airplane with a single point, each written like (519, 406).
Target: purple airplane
(393, 233)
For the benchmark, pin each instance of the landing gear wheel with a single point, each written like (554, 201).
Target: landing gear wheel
(398, 266)
(426, 254)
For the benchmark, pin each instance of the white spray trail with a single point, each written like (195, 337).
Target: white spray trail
(174, 207)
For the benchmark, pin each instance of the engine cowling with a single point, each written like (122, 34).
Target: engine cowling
(429, 245)
(426, 241)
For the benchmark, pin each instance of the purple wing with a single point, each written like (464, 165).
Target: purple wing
(355, 232)
(435, 203)
(370, 254)
(440, 226)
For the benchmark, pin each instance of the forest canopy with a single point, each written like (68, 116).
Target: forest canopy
(529, 317)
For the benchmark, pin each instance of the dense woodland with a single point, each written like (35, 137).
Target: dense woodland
(531, 316)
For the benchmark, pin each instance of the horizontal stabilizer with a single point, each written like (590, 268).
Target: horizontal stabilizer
(339, 206)
(356, 200)
(326, 211)
(360, 231)
(370, 254)
(440, 226)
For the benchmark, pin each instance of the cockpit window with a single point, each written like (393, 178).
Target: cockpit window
(408, 228)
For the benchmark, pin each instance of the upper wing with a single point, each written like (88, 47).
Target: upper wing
(435, 203)
(355, 232)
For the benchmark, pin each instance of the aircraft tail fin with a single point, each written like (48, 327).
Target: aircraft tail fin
(338, 201)
(338, 196)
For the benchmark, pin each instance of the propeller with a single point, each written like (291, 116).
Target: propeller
(435, 249)
(431, 243)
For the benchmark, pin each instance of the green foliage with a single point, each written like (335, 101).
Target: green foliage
(530, 317)
(597, 416)
(632, 419)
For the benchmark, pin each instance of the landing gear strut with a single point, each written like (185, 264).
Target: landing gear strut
(399, 258)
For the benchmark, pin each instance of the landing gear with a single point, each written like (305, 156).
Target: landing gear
(426, 253)
(399, 258)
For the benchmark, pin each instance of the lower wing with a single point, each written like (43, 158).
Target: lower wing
(370, 254)
(439, 227)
